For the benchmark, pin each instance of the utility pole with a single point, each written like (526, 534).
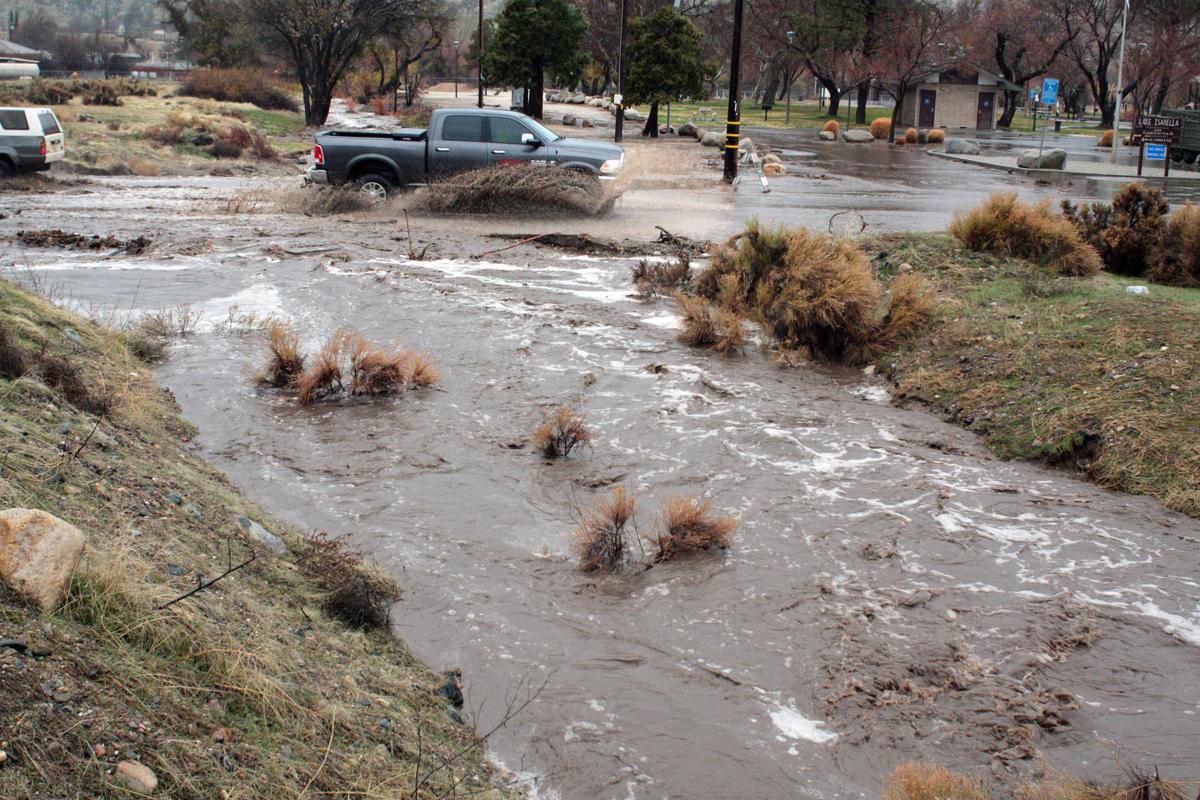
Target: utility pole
(787, 77)
(1116, 143)
(479, 55)
(734, 119)
(620, 98)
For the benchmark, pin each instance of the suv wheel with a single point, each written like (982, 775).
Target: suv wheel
(6, 169)
(375, 186)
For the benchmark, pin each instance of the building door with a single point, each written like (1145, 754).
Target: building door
(985, 115)
(928, 101)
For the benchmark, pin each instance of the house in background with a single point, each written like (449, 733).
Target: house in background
(958, 98)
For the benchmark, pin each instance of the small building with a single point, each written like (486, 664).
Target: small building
(13, 50)
(965, 97)
(162, 69)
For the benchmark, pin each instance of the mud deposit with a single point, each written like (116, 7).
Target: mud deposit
(893, 592)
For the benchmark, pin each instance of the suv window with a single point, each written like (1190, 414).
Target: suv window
(463, 128)
(49, 123)
(14, 119)
(507, 131)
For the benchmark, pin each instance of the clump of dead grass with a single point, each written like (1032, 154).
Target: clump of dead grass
(1009, 227)
(935, 136)
(652, 278)
(359, 594)
(14, 362)
(64, 377)
(285, 363)
(814, 292)
(689, 526)
(708, 325)
(915, 781)
(912, 136)
(516, 189)
(1106, 139)
(560, 433)
(881, 128)
(832, 126)
(601, 539)
(1176, 261)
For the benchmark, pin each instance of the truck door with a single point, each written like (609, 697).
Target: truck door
(461, 146)
(505, 142)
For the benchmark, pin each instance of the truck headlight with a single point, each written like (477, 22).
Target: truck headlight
(611, 166)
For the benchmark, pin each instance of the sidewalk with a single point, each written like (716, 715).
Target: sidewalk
(1151, 170)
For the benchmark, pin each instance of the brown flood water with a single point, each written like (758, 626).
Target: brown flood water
(893, 593)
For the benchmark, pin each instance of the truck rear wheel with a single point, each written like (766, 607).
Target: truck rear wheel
(375, 186)
(6, 169)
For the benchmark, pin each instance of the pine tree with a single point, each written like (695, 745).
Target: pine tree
(665, 62)
(533, 38)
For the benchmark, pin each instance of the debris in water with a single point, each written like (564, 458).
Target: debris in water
(516, 190)
(78, 241)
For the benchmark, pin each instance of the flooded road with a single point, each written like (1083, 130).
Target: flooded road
(893, 592)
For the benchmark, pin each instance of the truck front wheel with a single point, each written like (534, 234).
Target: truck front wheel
(375, 186)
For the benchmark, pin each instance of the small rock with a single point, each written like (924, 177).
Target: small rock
(41, 651)
(857, 136)
(99, 750)
(262, 535)
(1050, 159)
(13, 644)
(827, 136)
(962, 147)
(138, 777)
(194, 512)
(73, 335)
(176, 570)
(64, 429)
(869, 370)
(175, 499)
(687, 129)
(38, 554)
(713, 139)
(1137, 289)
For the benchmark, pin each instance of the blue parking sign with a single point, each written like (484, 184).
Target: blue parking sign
(1156, 152)
(1050, 91)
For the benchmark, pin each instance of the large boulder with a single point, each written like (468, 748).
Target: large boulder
(713, 139)
(827, 136)
(858, 136)
(38, 554)
(687, 129)
(1050, 159)
(962, 147)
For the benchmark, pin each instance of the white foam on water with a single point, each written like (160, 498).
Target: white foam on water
(794, 725)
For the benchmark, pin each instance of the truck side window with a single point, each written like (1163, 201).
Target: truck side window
(14, 119)
(49, 123)
(463, 128)
(507, 131)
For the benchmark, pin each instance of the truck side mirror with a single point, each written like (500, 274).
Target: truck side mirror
(530, 139)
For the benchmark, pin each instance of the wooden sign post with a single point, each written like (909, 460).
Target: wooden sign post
(1152, 129)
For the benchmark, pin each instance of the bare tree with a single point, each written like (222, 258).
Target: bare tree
(1095, 30)
(916, 46)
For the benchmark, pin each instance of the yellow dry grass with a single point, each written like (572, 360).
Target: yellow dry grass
(1006, 226)
(689, 526)
(601, 539)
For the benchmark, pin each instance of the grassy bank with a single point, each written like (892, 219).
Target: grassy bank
(804, 115)
(245, 690)
(1061, 370)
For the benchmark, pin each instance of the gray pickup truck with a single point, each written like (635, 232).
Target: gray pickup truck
(457, 140)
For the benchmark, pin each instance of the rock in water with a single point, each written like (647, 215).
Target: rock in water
(1050, 159)
(962, 147)
(858, 136)
(38, 554)
(137, 777)
(261, 534)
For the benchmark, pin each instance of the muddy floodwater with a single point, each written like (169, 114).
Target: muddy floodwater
(893, 591)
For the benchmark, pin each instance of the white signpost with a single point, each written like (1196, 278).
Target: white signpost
(1050, 98)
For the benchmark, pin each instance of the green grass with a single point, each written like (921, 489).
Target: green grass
(804, 115)
(255, 652)
(1072, 371)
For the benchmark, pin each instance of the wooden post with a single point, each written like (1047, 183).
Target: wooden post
(1167, 163)
(1141, 153)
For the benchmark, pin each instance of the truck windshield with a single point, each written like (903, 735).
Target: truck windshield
(543, 133)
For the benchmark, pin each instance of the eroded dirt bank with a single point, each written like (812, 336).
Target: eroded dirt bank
(893, 592)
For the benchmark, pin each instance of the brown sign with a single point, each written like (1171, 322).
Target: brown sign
(1154, 129)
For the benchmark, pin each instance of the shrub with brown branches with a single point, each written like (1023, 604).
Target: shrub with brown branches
(689, 526)
(881, 128)
(285, 362)
(1176, 261)
(63, 376)
(1006, 226)
(601, 540)
(560, 433)
(815, 292)
(1125, 233)
(652, 278)
(360, 595)
(935, 136)
(706, 324)
(322, 377)
(912, 136)
(419, 370)
(349, 363)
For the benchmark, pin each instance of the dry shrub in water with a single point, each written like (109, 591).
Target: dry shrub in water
(688, 526)
(651, 277)
(1034, 232)
(935, 136)
(359, 594)
(814, 292)
(1125, 233)
(515, 189)
(371, 371)
(929, 782)
(1176, 261)
(832, 126)
(560, 433)
(706, 324)
(601, 540)
(323, 376)
(881, 128)
(912, 135)
(418, 369)
(285, 363)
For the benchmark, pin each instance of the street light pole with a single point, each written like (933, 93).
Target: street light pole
(456, 68)
(479, 55)
(1116, 143)
(787, 75)
(734, 117)
(620, 98)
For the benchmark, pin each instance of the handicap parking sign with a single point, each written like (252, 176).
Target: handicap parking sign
(1050, 91)
(1156, 152)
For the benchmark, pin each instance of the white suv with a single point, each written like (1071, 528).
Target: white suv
(30, 139)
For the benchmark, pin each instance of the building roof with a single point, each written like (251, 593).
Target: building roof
(8, 48)
(970, 73)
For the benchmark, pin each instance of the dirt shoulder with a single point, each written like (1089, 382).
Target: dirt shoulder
(246, 689)
(1068, 371)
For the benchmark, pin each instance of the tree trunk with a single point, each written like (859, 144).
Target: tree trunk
(651, 127)
(860, 114)
(901, 90)
(1010, 109)
(538, 92)
(835, 100)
